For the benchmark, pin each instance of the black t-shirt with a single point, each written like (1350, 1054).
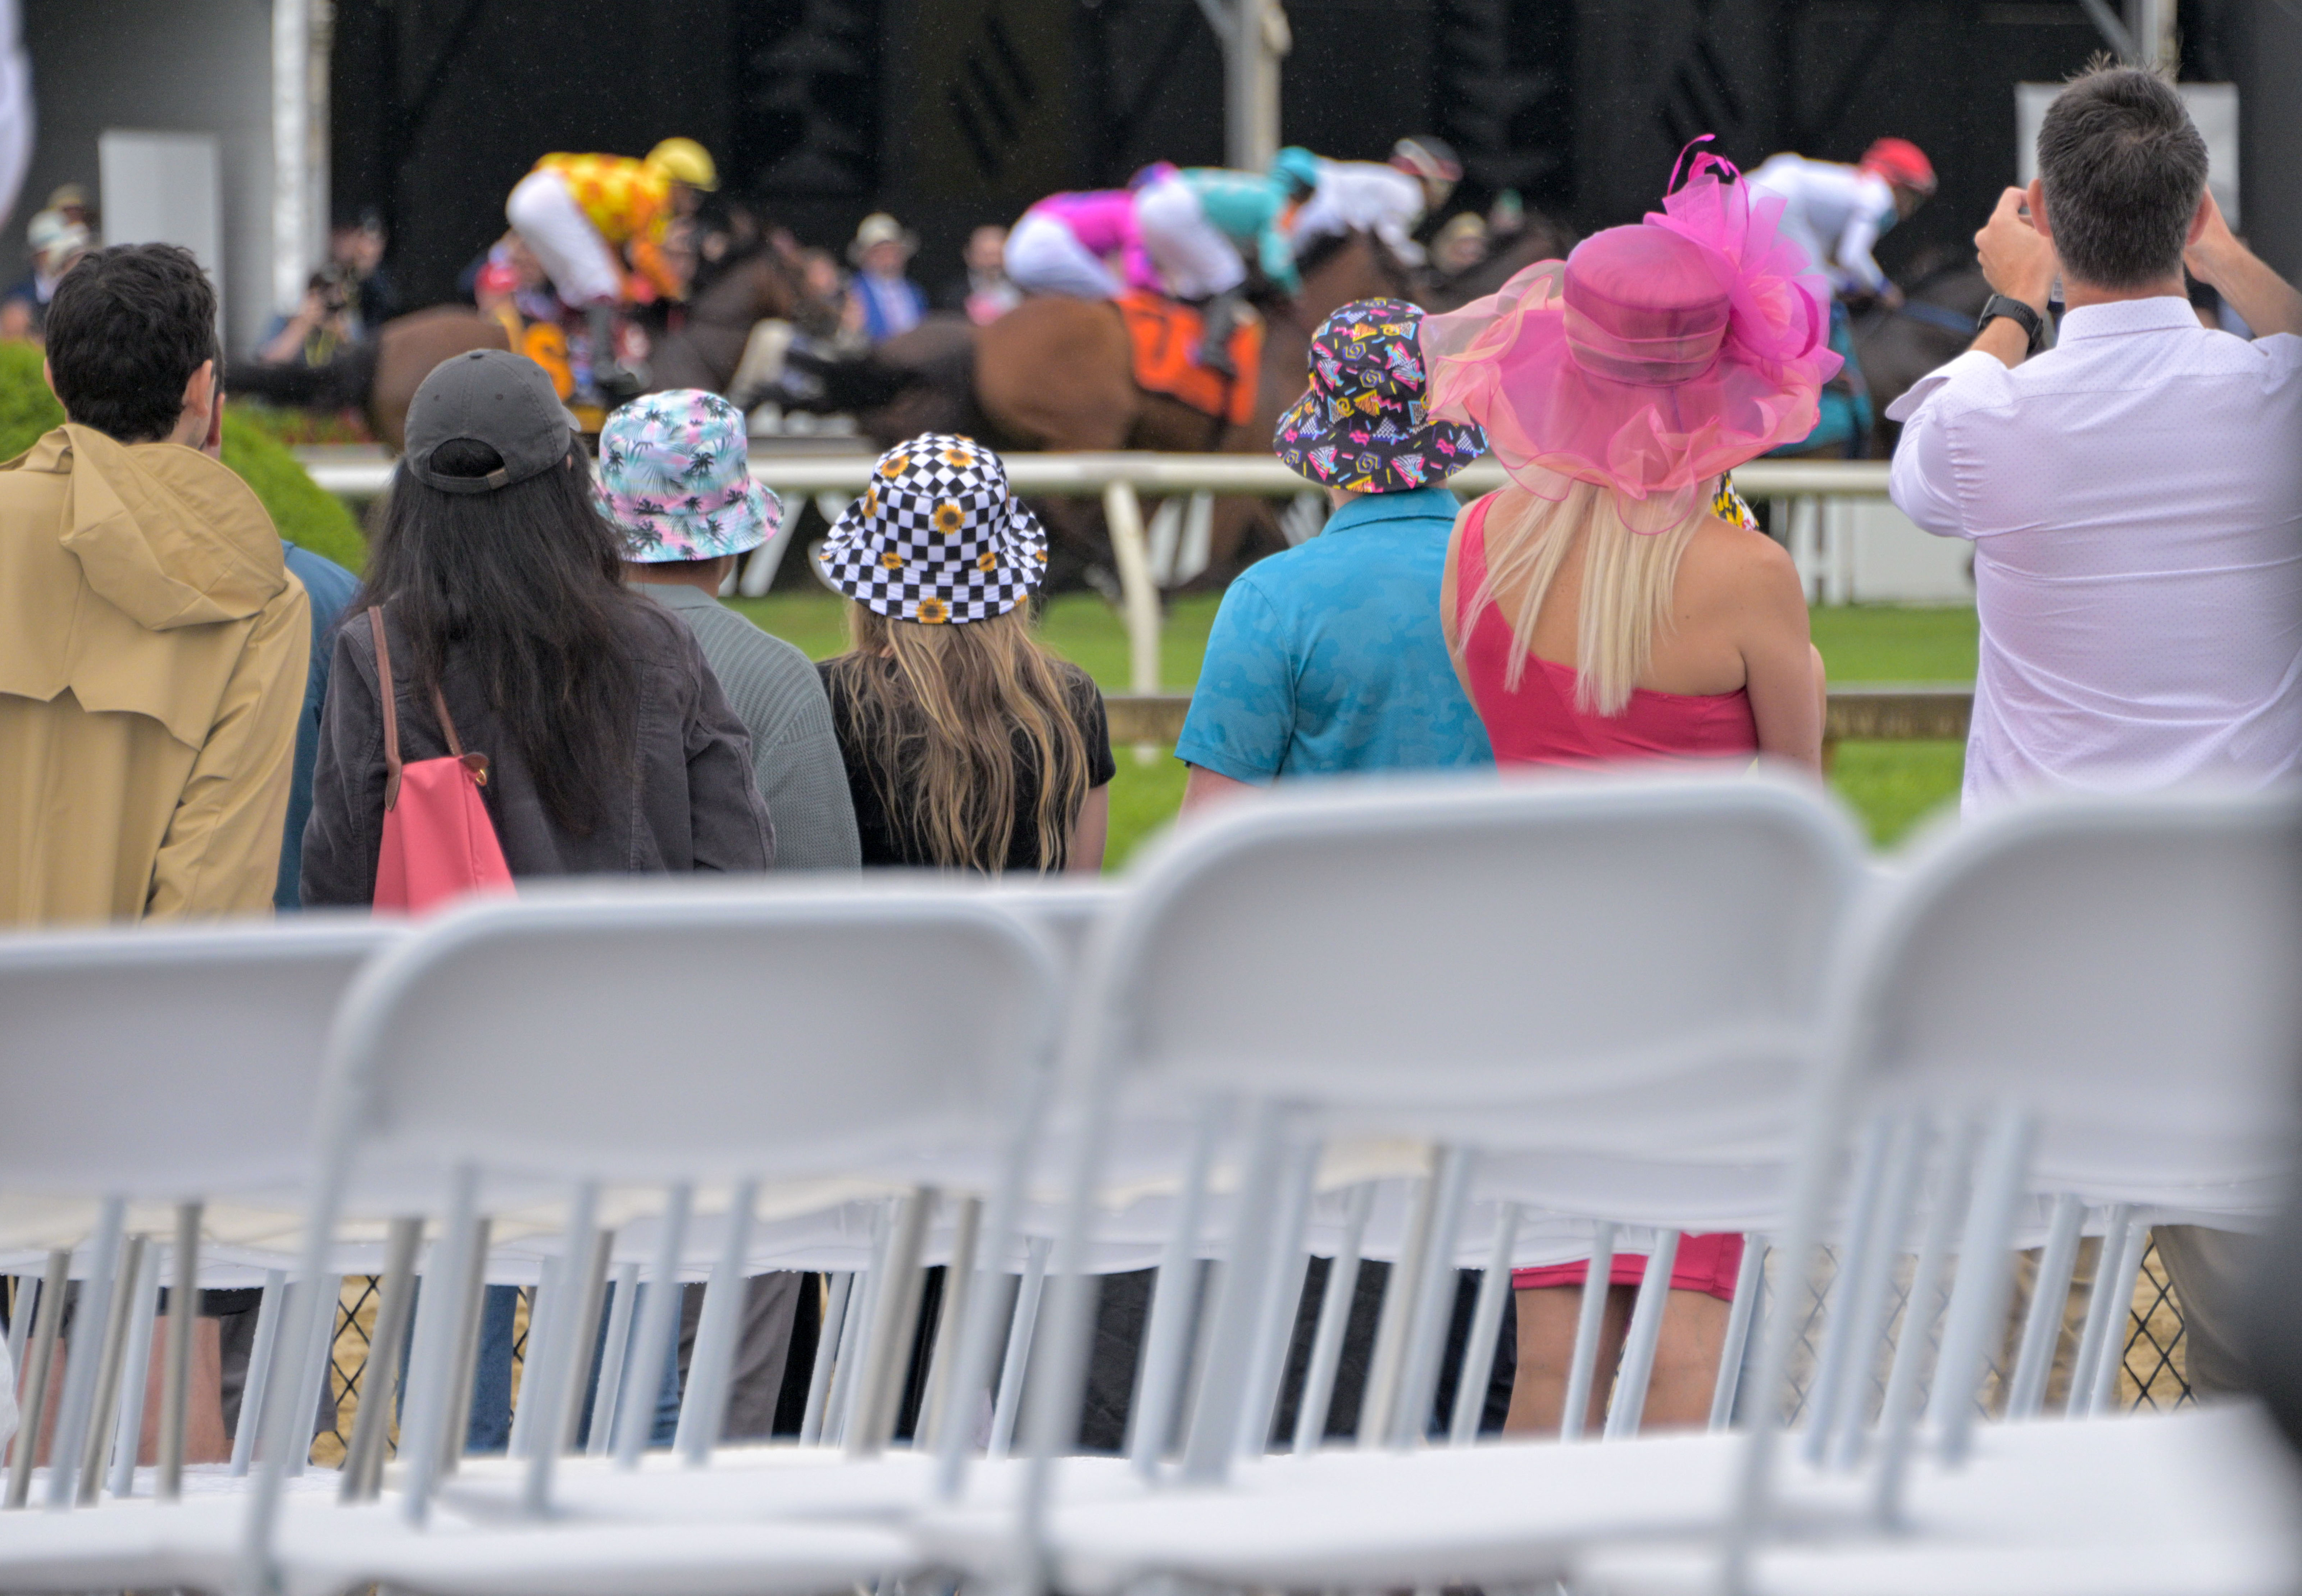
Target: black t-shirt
(886, 841)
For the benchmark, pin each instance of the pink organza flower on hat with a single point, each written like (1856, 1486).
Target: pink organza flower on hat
(1650, 360)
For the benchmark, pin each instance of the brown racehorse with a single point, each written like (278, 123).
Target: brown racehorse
(700, 350)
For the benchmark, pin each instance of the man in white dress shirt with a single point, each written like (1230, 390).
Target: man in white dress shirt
(2134, 496)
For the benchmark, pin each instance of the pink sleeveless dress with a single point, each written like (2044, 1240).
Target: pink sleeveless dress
(1539, 725)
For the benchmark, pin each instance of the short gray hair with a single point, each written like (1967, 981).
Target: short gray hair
(2123, 167)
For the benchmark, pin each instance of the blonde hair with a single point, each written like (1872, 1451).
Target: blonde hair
(950, 716)
(1627, 581)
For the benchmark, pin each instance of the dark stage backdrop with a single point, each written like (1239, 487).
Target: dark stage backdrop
(953, 113)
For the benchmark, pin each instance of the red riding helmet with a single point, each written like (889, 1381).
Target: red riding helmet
(1901, 164)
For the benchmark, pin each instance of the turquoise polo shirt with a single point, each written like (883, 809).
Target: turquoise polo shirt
(1328, 658)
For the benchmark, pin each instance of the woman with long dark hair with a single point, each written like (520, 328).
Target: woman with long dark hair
(498, 583)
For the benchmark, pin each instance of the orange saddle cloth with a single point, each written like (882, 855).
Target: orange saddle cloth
(1164, 335)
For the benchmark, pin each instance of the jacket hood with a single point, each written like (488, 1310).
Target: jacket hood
(170, 536)
(130, 573)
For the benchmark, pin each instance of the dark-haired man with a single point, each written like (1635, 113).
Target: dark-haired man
(2134, 495)
(152, 640)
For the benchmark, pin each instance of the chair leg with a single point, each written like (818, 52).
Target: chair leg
(269, 1309)
(1167, 1331)
(1590, 1325)
(2118, 1285)
(435, 1352)
(1486, 1330)
(1388, 1362)
(456, 1435)
(1239, 1306)
(1630, 1402)
(1898, 1419)
(958, 1291)
(1986, 1273)
(1873, 1279)
(568, 1354)
(47, 1315)
(1281, 1303)
(1334, 1321)
(659, 1328)
(1838, 1349)
(135, 1374)
(176, 1373)
(2042, 1326)
(85, 1362)
(1016, 1366)
(363, 1474)
(614, 1352)
(311, 1384)
(1435, 1306)
(841, 1288)
(880, 1392)
(708, 1371)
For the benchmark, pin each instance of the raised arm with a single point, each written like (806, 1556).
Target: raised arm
(2267, 301)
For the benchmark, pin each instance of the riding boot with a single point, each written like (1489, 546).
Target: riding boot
(610, 379)
(1218, 320)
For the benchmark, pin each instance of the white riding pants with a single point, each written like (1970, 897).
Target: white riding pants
(1190, 252)
(1044, 257)
(581, 265)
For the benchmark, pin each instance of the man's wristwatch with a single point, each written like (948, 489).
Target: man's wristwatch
(2033, 325)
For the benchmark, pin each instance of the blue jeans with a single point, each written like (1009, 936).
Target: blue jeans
(490, 1426)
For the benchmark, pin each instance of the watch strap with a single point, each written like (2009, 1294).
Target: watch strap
(2033, 325)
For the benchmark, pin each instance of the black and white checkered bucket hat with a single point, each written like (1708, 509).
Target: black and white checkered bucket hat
(938, 536)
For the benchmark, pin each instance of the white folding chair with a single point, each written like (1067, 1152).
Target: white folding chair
(160, 1085)
(2108, 986)
(1597, 997)
(573, 1046)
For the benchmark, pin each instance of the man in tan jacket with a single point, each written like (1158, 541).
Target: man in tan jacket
(152, 644)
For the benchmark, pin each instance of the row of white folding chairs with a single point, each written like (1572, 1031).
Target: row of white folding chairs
(1229, 935)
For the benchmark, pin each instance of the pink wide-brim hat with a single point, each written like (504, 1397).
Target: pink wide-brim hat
(1649, 360)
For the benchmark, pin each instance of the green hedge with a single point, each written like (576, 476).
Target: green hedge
(306, 515)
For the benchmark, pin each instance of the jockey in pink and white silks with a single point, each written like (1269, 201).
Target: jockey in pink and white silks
(1067, 244)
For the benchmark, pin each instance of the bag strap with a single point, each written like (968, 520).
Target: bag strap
(390, 703)
(476, 763)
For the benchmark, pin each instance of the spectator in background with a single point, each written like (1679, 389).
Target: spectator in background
(355, 251)
(497, 585)
(679, 486)
(2134, 497)
(152, 642)
(321, 328)
(1461, 243)
(1328, 658)
(881, 300)
(71, 201)
(329, 587)
(1604, 607)
(57, 244)
(982, 293)
(968, 745)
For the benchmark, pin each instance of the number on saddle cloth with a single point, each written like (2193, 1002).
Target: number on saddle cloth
(1163, 337)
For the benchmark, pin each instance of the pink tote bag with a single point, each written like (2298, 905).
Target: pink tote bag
(439, 844)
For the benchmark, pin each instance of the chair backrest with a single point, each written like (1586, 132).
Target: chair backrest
(2091, 998)
(1613, 966)
(2124, 968)
(168, 1063)
(683, 1032)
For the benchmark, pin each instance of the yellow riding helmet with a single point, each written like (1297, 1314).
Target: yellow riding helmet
(685, 161)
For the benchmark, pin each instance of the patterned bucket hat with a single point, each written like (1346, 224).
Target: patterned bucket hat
(1362, 424)
(938, 536)
(677, 481)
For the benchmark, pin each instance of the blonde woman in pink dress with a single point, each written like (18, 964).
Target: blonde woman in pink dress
(1615, 603)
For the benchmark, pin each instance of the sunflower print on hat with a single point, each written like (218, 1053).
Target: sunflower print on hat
(939, 538)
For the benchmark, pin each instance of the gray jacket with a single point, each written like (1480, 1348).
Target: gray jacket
(775, 690)
(693, 806)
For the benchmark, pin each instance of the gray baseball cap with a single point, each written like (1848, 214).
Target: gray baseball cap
(492, 397)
